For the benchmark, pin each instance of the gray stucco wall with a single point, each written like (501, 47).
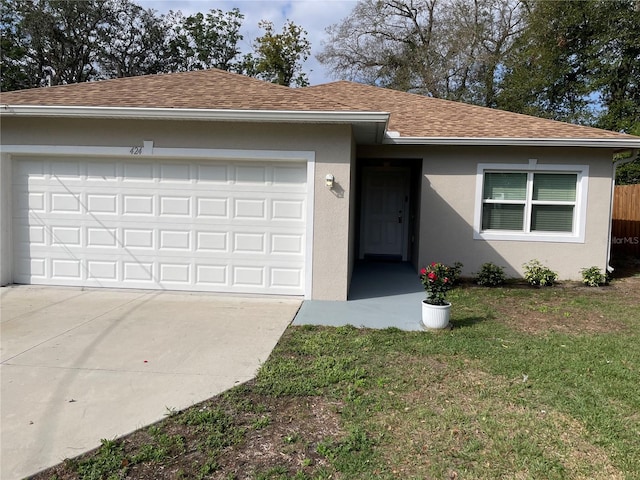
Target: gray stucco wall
(449, 198)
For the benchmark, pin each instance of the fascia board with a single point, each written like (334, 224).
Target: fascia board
(617, 143)
(195, 114)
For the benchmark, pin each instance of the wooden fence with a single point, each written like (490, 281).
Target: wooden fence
(625, 228)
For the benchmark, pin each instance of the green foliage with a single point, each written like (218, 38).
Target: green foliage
(593, 277)
(134, 43)
(262, 422)
(12, 48)
(628, 173)
(456, 272)
(202, 41)
(108, 463)
(437, 279)
(539, 275)
(217, 427)
(350, 455)
(52, 42)
(577, 62)
(161, 447)
(490, 275)
(278, 56)
(298, 378)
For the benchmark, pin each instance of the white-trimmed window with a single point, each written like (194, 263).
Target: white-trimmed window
(531, 202)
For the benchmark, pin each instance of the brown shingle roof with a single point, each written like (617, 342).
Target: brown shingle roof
(202, 89)
(411, 115)
(419, 116)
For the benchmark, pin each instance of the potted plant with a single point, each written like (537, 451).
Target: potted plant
(437, 280)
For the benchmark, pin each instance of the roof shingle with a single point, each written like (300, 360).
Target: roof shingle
(419, 116)
(410, 115)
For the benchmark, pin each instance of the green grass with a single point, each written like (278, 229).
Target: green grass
(532, 383)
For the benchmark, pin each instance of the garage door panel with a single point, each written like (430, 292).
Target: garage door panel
(212, 241)
(138, 172)
(102, 203)
(106, 271)
(66, 268)
(285, 277)
(171, 205)
(212, 207)
(217, 174)
(290, 176)
(288, 209)
(175, 239)
(202, 226)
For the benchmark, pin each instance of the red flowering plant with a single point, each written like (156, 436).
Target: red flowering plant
(437, 280)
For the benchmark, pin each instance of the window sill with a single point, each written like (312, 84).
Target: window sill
(528, 237)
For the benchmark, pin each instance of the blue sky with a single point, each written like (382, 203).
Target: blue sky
(312, 15)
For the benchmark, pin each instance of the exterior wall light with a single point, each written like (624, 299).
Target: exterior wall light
(329, 180)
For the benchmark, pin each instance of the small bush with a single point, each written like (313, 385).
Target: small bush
(539, 275)
(490, 275)
(456, 272)
(593, 277)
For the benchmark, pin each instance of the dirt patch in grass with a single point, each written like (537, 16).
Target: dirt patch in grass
(566, 308)
(269, 436)
(288, 440)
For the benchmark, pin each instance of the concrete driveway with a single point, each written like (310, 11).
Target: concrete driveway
(80, 365)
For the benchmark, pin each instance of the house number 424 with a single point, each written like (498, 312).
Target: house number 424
(136, 151)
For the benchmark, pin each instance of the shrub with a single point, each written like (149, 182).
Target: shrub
(539, 275)
(456, 272)
(490, 275)
(593, 277)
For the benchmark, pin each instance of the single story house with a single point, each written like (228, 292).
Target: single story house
(212, 181)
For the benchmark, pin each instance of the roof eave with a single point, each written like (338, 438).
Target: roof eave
(370, 124)
(201, 114)
(616, 143)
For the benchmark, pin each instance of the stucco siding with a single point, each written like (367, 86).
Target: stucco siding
(449, 200)
(330, 144)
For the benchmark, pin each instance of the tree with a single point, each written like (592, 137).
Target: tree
(134, 43)
(278, 56)
(578, 62)
(448, 49)
(12, 49)
(204, 41)
(59, 39)
(615, 60)
(51, 42)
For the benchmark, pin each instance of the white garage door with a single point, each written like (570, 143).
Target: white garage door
(180, 225)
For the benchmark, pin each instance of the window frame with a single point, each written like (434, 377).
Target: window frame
(577, 234)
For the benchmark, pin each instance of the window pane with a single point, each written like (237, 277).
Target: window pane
(505, 186)
(496, 216)
(552, 218)
(555, 186)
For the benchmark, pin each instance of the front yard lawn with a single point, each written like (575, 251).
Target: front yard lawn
(530, 383)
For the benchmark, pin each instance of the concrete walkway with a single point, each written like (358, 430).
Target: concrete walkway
(78, 365)
(382, 295)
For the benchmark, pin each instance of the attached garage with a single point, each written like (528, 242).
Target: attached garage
(216, 225)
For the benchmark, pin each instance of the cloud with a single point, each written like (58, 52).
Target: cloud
(312, 15)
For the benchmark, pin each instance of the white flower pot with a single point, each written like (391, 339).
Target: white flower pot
(435, 316)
